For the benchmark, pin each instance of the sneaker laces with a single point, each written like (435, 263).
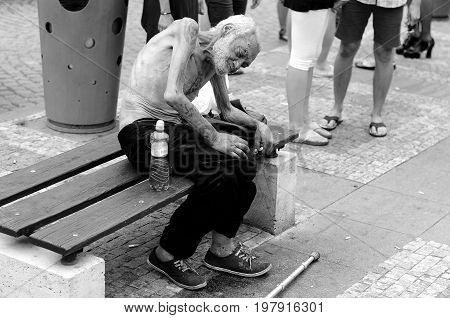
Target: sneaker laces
(246, 254)
(183, 266)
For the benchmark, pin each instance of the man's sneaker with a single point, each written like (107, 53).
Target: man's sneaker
(178, 271)
(241, 262)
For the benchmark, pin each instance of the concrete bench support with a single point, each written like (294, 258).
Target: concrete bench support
(273, 209)
(30, 271)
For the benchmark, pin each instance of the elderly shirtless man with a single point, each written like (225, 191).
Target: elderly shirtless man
(219, 156)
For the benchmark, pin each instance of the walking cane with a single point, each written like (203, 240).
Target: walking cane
(313, 257)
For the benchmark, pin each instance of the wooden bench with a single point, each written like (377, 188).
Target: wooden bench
(74, 214)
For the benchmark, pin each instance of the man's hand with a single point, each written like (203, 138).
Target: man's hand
(263, 139)
(255, 4)
(231, 145)
(414, 12)
(164, 22)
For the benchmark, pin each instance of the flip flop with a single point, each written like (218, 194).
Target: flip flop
(376, 125)
(336, 119)
(363, 64)
(319, 130)
(307, 140)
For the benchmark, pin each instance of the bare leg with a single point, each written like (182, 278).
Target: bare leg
(426, 13)
(282, 15)
(327, 43)
(298, 86)
(342, 74)
(381, 82)
(289, 30)
(163, 255)
(221, 245)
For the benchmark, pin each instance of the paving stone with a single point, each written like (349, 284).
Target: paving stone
(407, 294)
(406, 280)
(437, 270)
(370, 278)
(435, 244)
(442, 281)
(394, 291)
(446, 275)
(426, 250)
(396, 273)
(424, 265)
(432, 291)
(383, 283)
(418, 286)
(360, 287)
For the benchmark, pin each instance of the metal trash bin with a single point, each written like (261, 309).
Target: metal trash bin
(81, 45)
(441, 9)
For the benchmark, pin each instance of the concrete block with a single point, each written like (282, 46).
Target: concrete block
(27, 270)
(273, 209)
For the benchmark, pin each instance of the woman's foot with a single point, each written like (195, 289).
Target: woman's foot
(330, 122)
(324, 71)
(415, 51)
(311, 138)
(377, 129)
(410, 41)
(366, 64)
(282, 35)
(316, 128)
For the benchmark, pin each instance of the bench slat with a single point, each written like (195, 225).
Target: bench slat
(27, 215)
(45, 173)
(84, 227)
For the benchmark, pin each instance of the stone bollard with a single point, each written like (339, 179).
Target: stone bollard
(273, 209)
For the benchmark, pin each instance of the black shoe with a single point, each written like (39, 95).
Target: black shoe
(178, 271)
(282, 35)
(410, 41)
(241, 262)
(415, 52)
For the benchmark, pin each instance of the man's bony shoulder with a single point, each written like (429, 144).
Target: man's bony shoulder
(187, 24)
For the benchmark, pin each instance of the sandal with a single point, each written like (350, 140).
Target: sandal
(377, 126)
(313, 139)
(336, 119)
(366, 65)
(319, 130)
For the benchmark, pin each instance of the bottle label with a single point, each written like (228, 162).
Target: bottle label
(159, 149)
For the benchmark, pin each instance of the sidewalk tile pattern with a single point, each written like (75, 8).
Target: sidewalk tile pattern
(420, 269)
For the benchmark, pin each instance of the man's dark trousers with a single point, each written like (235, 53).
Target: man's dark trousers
(223, 190)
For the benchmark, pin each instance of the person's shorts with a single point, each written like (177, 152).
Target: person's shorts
(386, 23)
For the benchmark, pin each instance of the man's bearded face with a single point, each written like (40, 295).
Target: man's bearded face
(231, 52)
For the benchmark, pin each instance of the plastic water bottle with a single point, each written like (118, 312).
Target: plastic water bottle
(159, 165)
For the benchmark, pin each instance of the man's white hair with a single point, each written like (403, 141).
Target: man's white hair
(240, 24)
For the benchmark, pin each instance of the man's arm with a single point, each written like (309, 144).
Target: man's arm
(166, 17)
(231, 114)
(185, 34)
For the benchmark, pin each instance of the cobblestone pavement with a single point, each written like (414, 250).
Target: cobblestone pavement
(420, 269)
(416, 114)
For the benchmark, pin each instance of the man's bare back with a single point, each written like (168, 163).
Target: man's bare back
(170, 70)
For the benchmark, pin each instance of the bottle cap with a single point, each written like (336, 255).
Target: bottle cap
(160, 125)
